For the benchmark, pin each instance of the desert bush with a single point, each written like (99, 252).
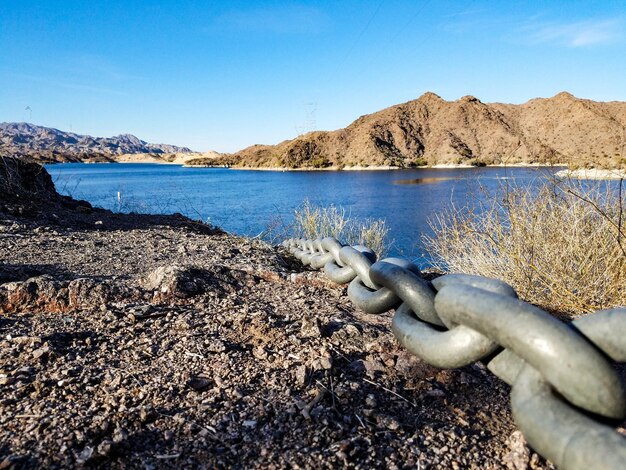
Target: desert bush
(419, 161)
(562, 247)
(313, 221)
(320, 162)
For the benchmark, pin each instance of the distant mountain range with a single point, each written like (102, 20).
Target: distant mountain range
(426, 131)
(431, 131)
(47, 145)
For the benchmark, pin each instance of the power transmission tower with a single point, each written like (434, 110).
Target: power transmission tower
(310, 122)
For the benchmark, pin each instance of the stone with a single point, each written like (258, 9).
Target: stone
(120, 435)
(326, 362)
(105, 448)
(84, 455)
(41, 353)
(199, 383)
(310, 328)
(301, 374)
(518, 457)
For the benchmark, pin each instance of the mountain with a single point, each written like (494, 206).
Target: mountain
(45, 144)
(431, 130)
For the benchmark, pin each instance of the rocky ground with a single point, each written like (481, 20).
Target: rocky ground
(156, 342)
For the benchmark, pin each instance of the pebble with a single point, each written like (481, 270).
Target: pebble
(105, 447)
(326, 362)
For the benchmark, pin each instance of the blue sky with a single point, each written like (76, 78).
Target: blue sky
(225, 75)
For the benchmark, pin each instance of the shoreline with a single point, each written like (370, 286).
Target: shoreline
(438, 166)
(564, 172)
(592, 174)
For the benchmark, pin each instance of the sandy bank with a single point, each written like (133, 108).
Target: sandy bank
(451, 165)
(592, 174)
(184, 159)
(499, 165)
(164, 159)
(330, 168)
(386, 167)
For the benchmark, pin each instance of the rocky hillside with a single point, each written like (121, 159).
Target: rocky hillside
(430, 131)
(48, 145)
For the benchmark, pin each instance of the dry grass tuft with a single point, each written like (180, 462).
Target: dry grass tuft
(562, 247)
(312, 221)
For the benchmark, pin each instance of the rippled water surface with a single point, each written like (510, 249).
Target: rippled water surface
(245, 202)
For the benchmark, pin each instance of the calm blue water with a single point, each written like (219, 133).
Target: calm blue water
(245, 202)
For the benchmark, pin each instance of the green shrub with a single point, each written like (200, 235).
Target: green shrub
(320, 162)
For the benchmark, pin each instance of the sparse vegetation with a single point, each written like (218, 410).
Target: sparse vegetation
(312, 221)
(320, 162)
(562, 248)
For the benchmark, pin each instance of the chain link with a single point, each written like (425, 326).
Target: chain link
(566, 393)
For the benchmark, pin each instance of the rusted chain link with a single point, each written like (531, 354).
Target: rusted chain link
(565, 392)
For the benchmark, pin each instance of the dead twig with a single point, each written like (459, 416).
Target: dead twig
(392, 392)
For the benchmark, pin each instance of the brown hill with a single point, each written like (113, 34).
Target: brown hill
(48, 145)
(430, 131)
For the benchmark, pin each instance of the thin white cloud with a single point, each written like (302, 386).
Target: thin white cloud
(467, 13)
(479, 19)
(99, 65)
(283, 19)
(539, 30)
(577, 34)
(94, 89)
(68, 85)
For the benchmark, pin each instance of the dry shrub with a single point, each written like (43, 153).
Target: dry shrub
(312, 221)
(562, 247)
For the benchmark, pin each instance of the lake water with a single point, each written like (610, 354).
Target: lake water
(246, 202)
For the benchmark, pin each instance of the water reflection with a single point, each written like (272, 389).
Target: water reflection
(424, 180)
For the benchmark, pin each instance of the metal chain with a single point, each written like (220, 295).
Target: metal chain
(565, 392)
